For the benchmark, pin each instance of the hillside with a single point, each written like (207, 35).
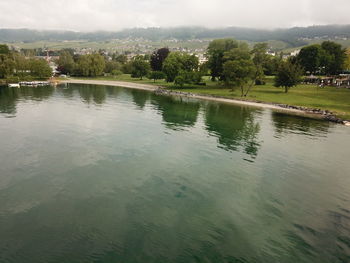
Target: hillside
(295, 36)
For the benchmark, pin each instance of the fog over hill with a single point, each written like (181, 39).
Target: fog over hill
(293, 36)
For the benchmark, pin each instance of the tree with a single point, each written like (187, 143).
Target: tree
(120, 58)
(215, 54)
(65, 63)
(272, 64)
(288, 75)
(140, 68)
(239, 68)
(39, 68)
(311, 57)
(4, 49)
(239, 72)
(155, 75)
(111, 66)
(7, 66)
(188, 77)
(172, 66)
(177, 63)
(83, 66)
(91, 65)
(158, 58)
(347, 61)
(336, 55)
(97, 65)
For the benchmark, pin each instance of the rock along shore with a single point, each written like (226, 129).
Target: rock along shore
(298, 110)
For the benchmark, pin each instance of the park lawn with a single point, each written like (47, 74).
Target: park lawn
(311, 96)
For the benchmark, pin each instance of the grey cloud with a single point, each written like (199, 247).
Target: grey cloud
(89, 15)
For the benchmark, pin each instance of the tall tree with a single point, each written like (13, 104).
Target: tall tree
(239, 68)
(158, 58)
(140, 67)
(65, 62)
(40, 68)
(347, 61)
(4, 49)
(260, 60)
(177, 63)
(336, 55)
(91, 65)
(7, 66)
(215, 53)
(97, 65)
(288, 75)
(311, 57)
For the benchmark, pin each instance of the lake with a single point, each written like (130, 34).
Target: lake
(107, 174)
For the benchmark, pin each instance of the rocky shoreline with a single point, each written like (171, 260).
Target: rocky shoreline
(322, 114)
(298, 110)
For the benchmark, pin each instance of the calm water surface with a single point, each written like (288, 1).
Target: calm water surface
(105, 174)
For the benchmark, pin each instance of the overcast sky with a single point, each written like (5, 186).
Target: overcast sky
(90, 15)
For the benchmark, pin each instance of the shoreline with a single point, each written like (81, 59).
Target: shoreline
(288, 109)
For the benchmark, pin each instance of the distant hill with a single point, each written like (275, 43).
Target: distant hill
(293, 36)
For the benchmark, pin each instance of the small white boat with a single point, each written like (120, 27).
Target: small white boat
(14, 85)
(34, 83)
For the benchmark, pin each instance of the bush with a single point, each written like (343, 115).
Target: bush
(156, 75)
(180, 81)
(116, 72)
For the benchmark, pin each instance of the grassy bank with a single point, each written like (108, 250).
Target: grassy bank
(328, 98)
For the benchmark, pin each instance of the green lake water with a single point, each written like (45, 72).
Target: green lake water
(106, 174)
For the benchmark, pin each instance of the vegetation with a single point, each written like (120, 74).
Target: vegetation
(288, 75)
(156, 75)
(14, 66)
(158, 57)
(326, 58)
(291, 36)
(140, 67)
(347, 60)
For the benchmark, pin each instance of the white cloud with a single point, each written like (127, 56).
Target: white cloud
(89, 15)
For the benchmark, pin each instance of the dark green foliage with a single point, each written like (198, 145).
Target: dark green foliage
(177, 63)
(7, 66)
(180, 80)
(288, 75)
(4, 49)
(65, 63)
(327, 58)
(336, 56)
(158, 58)
(40, 68)
(215, 52)
(188, 77)
(120, 58)
(239, 72)
(111, 66)
(15, 66)
(155, 75)
(310, 58)
(140, 67)
(91, 65)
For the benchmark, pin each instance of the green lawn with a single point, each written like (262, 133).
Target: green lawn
(328, 98)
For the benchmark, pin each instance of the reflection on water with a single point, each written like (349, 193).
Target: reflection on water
(285, 124)
(235, 127)
(105, 174)
(177, 112)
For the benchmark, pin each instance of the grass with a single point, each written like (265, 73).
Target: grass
(334, 99)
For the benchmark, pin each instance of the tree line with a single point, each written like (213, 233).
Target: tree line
(15, 66)
(233, 63)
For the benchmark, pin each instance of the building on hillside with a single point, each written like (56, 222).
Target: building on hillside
(295, 53)
(271, 53)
